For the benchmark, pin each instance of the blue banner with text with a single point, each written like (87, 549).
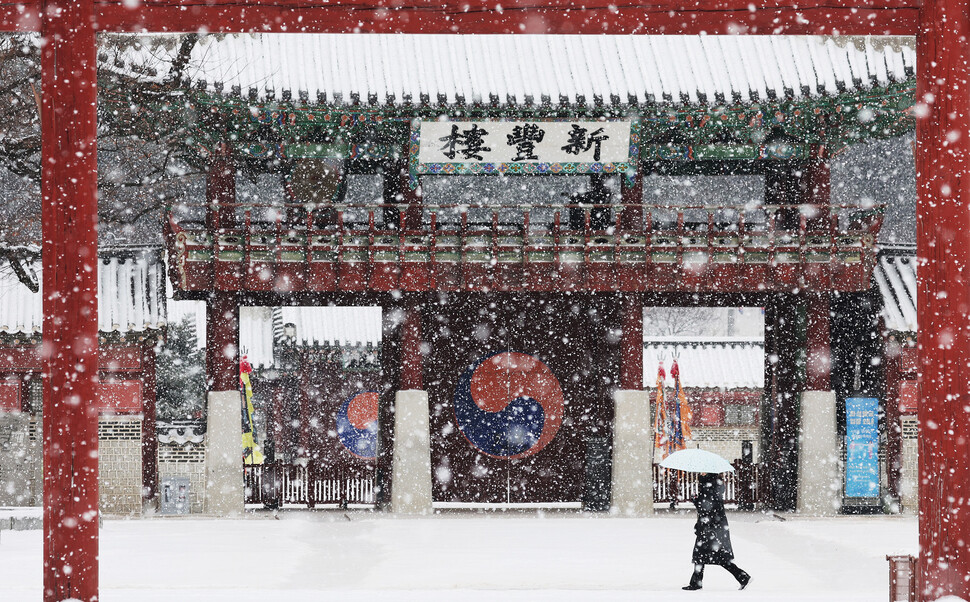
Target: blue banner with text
(862, 447)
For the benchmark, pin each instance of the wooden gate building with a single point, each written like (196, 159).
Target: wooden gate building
(518, 313)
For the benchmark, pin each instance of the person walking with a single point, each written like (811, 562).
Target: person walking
(713, 543)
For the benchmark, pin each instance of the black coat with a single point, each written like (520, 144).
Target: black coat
(713, 544)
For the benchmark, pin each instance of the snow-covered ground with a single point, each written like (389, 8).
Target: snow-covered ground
(516, 556)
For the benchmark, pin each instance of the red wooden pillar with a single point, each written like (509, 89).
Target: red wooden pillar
(413, 215)
(149, 438)
(631, 195)
(818, 189)
(412, 362)
(70, 277)
(818, 182)
(943, 296)
(818, 373)
(220, 189)
(631, 346)
(222, 342)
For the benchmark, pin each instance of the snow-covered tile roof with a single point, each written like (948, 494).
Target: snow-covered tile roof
(895, 275)
(724, 363)
(524, 69)
(346, 325)
(131, 294)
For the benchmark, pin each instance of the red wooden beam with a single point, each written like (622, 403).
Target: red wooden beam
(943, 297)
(70, 272)
(811, 17)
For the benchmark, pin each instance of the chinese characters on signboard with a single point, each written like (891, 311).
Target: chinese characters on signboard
(862, 447)
(592, 145)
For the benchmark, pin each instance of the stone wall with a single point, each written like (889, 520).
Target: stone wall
(20, 455)
(185, 460)
(726, 440)
(119, 451)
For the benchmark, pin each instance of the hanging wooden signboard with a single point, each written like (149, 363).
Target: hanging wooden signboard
(523, 147)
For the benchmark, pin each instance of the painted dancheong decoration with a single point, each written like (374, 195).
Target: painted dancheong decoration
(357, 424)
(509, 405)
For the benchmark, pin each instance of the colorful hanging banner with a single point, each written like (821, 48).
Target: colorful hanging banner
(660, 422)
(682, 414)
(251, 452)
(671, 425)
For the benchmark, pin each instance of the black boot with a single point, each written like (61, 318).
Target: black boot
(744, 580)
(695, 578)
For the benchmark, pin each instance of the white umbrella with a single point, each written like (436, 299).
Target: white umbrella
(697, 460)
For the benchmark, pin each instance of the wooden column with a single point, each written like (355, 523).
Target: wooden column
(412, 362)
(149, 438)
(222, 342)
(818, 369)
(943, 296)
(306, 404)
(70, 278)
(631, 194)
(412, 198)
(819, 477)
(818, 189)
(224, 495)
(220, 190)
(394, 176)
(631, 347)
(784, 185)
(782, 429)
(390, 375)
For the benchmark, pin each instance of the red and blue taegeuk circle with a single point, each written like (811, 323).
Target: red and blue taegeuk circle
(509, 404)
(357, 424)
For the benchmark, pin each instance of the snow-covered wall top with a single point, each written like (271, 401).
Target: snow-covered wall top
(895, 274)
(523, 69)
(258, 326)
(131, 294)
(716, 362)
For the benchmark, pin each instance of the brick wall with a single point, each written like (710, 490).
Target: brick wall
(185, 460)
(119, 465)
(119, 451)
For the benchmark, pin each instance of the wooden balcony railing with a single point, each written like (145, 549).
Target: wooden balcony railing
(524, 248)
